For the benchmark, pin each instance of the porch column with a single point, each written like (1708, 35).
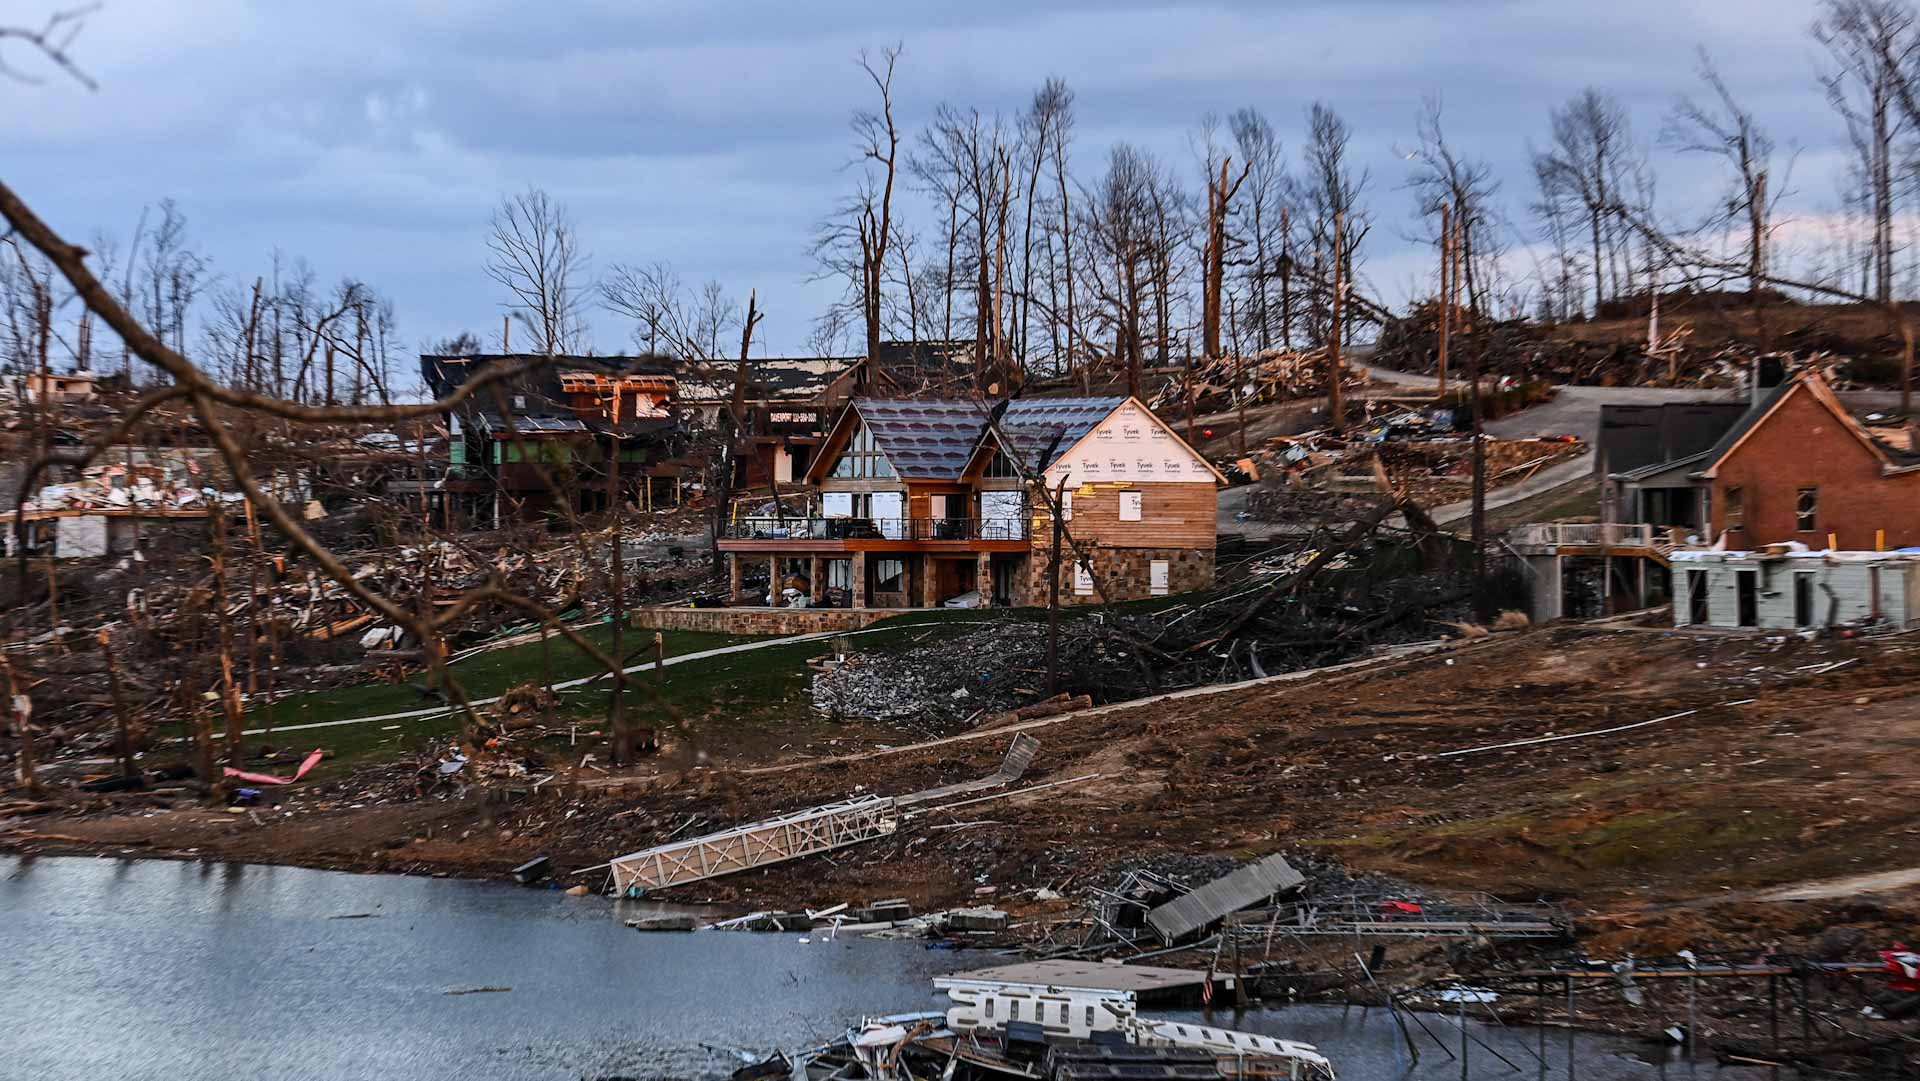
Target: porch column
(816, 580)
(733, 578)
(929, 582)
(773, 581)
(983, 577)
(859, 579)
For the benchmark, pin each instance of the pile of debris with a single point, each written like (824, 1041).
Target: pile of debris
(1274, 375)
(1414, 453)
(938, 684)
(1608, 356)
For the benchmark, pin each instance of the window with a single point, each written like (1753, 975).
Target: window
(1736, 509)
(1130, 506)
(862, 458)
(889, 575)
(1001, 466)
(1806, 510)
(1082, 578)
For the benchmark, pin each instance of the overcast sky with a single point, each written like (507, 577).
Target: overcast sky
(373, 138)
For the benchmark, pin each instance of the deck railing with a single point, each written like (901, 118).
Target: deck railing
(915, 529)
(1586, 535)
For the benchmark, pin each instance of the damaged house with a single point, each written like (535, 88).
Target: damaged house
(786, 404)
(541, 443)
(1799, 467)
(929, 502)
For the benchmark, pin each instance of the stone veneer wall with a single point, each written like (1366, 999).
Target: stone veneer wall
(1124, 572)
(758, 620)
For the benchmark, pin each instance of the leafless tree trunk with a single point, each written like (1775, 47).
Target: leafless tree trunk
(1726, 129)
(534, 253)
(1587, 162)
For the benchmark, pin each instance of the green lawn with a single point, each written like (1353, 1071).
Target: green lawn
(483, 675)
(733, 697)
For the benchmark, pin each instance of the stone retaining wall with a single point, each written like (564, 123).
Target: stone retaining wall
(780, 621)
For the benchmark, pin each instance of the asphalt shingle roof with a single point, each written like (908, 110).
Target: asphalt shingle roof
(930, 439)
(934, 439)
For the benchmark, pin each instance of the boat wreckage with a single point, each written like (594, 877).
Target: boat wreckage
(1004, 1028)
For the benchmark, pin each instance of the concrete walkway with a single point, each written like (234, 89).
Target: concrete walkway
(743, 647)
(1568, 472)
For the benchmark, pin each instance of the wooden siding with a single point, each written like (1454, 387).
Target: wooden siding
(1178, 515)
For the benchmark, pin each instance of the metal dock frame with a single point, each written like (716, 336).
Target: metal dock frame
(757, 844)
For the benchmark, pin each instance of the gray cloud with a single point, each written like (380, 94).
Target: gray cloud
(373, 138)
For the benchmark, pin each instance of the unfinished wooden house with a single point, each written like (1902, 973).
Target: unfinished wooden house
(930, 502)
(542, 441)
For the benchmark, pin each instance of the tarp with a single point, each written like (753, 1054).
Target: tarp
(312, 760)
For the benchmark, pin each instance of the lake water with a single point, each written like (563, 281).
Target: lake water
(149, 969)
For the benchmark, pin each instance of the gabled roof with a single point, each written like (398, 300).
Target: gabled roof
(1810, 383)
(1039, 430)
(938, 439)
(922, 440)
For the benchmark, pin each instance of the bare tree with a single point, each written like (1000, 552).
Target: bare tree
(853, 242)
(174, 275)
(1586, 165)
(1119, 220)
(1327, 194)
(651, 296)
(1041, 131)
(1062, 109)
(1444, 178)
(963, 156)
(1872, 46)
(1260, 149)
(1723, 128)
(1220, 194)
(52, 39)
(534, 253)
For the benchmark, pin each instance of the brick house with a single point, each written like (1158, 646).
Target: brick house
(1799, 467)
(921, 502)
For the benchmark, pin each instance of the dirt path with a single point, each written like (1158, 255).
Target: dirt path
(1849, 886)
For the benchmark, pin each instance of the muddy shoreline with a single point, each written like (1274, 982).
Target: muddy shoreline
(1668, 837)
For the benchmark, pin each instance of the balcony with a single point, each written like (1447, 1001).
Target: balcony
(960, 530)
(1583, 538)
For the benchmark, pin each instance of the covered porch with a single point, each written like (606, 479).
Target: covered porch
(865, 578)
